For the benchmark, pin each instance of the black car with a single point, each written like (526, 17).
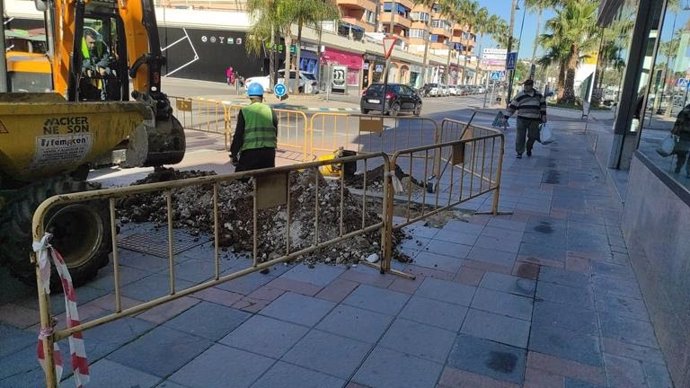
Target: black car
(398, 98)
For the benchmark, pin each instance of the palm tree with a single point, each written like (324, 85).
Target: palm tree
(574, 28)
(262, 34)
(539, 6)
(498, 30)
(427, 5)
(609, 53)
(303, 13)
(464, 13)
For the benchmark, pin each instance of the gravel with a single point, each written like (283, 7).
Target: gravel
(192, 210)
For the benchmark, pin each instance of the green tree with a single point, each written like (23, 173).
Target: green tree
(498, 30)
(304, 13)
(573, 32)
(539, 6)
(262, 35)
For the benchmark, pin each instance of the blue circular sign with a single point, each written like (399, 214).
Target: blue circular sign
(279, 90)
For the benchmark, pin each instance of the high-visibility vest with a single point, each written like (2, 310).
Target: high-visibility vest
(259, 131)
(86, 54)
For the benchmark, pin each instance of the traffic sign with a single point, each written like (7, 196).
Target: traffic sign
(279, 90)
(388, 44)
(495, 75)
(511, 60)
(682, 82)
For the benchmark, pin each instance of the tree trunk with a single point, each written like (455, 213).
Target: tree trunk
(561, 80)
(272, 58)
(288, 80)
(569, 87)
(298, 47)
(425, 64)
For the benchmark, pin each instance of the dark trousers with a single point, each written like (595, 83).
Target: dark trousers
(526, 128)
(256, 159)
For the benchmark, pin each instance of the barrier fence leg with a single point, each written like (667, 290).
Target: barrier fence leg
(46, 336)
(387, 237)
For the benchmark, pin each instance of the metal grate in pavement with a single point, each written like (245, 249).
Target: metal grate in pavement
(155, 242)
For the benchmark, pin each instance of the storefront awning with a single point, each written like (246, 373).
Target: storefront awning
(352, 61)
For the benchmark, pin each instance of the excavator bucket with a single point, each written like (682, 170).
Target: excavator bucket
(43, 135)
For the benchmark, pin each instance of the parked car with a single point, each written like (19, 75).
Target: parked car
(433, 90)
(398, 98)
(307, 82)
(452, 90)
(443, 90)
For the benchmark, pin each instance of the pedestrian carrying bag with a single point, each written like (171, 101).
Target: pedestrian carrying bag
(667, 145)
(546, 134)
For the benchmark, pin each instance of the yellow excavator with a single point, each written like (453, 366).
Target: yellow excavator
(49, 141)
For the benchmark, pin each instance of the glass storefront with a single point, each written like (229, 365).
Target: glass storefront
(645, 83)
(664, 82)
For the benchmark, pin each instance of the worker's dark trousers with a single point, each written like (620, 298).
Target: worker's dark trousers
(256, 159)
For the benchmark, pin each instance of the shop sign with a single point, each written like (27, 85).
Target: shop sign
(339, 78)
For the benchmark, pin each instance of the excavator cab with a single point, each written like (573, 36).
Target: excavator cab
(109, 50)
(104, 62)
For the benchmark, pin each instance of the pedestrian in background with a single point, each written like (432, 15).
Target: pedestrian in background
(530, 106)
(256, 134)
(681, 128)
(230, 76)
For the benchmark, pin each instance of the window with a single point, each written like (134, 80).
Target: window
(420, 17)
(400, 9)
(369, 16)
(440, 23)
(418, 33)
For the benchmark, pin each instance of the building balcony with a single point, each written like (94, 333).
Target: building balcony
(397, 20)
(419, 25)
(441, 32)
(359, 23)
(357, 4)
(439, 46)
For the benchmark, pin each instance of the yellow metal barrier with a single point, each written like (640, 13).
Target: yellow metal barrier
(200, 114)
(270, 192)
(368, 133)
(293, 137)
(451, 173)
(469, 168)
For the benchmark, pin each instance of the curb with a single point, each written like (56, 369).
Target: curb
(310, 109)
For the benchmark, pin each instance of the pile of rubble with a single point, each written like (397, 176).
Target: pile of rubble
(311, 216)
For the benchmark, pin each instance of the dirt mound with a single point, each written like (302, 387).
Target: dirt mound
(192, 210)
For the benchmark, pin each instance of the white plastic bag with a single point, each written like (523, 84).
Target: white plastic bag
(546, 134)
(667, 145)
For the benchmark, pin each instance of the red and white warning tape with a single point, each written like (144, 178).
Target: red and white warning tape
(76, 342)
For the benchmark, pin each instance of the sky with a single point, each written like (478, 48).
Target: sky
(501, 8)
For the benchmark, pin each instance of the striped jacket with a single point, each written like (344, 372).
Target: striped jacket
(528, 106)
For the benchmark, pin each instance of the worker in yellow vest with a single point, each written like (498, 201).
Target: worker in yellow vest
(95, 67)
(256, 134)
(95, 54)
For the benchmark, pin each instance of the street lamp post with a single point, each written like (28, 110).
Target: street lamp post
(510, 48)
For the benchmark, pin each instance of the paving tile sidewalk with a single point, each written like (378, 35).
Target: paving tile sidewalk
(542, 296)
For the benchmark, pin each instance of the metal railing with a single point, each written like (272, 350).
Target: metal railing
(448, 174)
(270, 191)
(200, 114)
(468, 169)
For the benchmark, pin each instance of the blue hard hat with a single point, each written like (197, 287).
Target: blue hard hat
(255, 89)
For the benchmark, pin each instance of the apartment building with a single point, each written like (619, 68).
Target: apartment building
(201, 38)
